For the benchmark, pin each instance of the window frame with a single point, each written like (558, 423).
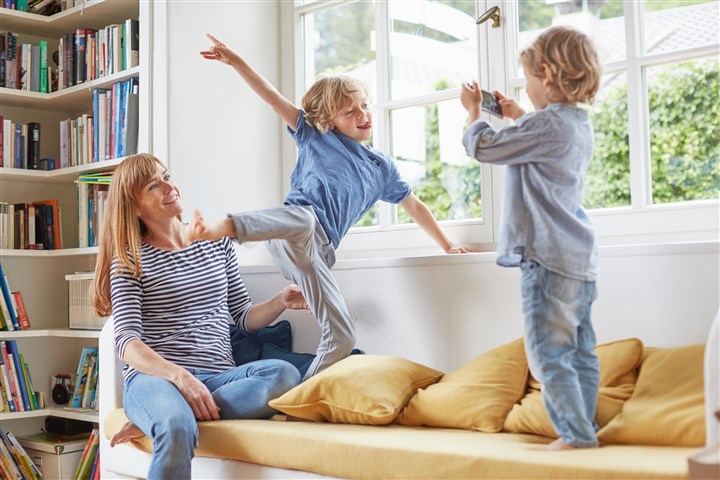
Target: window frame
(640, 222)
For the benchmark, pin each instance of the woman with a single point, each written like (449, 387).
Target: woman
(171, 298)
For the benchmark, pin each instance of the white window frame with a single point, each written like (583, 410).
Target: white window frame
(641, 222)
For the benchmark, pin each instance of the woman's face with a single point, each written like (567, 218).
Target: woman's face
(159, 197)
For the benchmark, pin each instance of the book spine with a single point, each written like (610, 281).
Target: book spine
(33, 154)
(7, 382)
(22, 315)
(28, 383)
(7, 298)
(44, 83)
(15, 356)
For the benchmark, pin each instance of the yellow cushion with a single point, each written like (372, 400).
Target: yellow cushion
(360, 389)
(478, 396)
(668, 405)
(618, 373)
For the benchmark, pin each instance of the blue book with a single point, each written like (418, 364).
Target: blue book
(18, 163)
(8, 299)
(12, 349)
(81, 378)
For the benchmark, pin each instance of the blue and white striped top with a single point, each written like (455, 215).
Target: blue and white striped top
(181, 303)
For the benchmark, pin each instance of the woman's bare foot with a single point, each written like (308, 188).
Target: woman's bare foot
(126, 433)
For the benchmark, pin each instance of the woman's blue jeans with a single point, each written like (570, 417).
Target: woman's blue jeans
(156, 406)
(560, 346)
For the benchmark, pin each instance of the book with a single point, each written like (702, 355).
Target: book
(28, 384)
(87, 457)
(28, 465)
(6, 381)
(33, 151)
(14, 354)
(82, 375)
(7, 457)
(131, 43)
(12, 376)
(90, 383)
(22, 315)
(44, 82)
(7, 300)
(52, 222)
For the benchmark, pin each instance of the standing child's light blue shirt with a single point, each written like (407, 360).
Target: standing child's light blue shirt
(547, 153)
(340, 178)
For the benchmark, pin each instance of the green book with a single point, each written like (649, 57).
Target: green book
(43, 66)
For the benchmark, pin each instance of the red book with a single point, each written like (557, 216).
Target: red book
(22, 315)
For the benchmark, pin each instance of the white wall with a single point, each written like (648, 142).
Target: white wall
(444, 310)
(223, 141)
(224, 149)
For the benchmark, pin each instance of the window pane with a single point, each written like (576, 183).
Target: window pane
(607, 181)
(679, 24)
(430, 156)
(684, 102)
(603, 21)
(432, 46)
(340, 40)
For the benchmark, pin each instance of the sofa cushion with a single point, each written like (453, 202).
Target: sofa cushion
(618, 373)
(397, 451)
(477, 396)
(361, 389)
(248, 347)
(668, 404)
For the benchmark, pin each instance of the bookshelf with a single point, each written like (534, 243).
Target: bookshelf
(50, 347)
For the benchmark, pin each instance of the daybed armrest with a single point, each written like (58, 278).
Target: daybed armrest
(712, 383)
(111, 382)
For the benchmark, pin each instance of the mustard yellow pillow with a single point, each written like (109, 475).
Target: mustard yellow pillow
(668, 404)
(360, 389)
(478, 396)
(618, 373)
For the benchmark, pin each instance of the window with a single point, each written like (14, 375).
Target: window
(655, 169)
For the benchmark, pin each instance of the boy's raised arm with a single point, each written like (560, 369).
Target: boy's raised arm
(422, 216)
(282, 106)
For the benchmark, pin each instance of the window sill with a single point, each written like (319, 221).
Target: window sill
(651, 249)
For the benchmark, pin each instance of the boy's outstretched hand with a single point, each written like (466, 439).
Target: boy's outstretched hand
(201, 229)
(219, 52)
(461, 249)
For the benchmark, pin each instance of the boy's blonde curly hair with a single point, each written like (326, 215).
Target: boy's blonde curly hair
(573, 62)
(327, 97)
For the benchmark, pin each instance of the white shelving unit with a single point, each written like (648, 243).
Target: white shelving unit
(50, 347)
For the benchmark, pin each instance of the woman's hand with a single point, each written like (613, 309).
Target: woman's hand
(293, 299)
(197, 395)
(510, 107)
(220, 52)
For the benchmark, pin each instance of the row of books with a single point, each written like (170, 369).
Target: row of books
(24, 66)
(83, 55)
(20, 145)
(18, 394)
(15, 463)
(89, 466)
(110, 131)
(31, 225)
(88, 54)
(85, 391)
(92, 203)
(13, 314)
(40, 7)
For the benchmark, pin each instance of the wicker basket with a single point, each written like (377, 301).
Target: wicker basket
(80, 311)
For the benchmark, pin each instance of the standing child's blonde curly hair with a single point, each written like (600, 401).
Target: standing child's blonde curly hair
(572, 61)
(328, 96)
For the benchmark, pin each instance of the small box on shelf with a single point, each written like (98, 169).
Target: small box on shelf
(56, 456)
(81, 315)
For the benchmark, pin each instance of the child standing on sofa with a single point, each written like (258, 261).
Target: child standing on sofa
(544, 228)
(336, 180)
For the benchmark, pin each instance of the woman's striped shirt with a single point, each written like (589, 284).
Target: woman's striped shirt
(180, 305)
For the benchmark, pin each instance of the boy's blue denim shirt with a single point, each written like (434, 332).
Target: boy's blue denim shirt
(547, 153)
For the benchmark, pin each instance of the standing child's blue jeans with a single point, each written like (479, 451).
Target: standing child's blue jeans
(560, 346)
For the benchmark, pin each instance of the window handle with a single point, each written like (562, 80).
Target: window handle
(493, 13)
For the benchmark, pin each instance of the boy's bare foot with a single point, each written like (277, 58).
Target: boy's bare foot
(126, 433)
(558, 445)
